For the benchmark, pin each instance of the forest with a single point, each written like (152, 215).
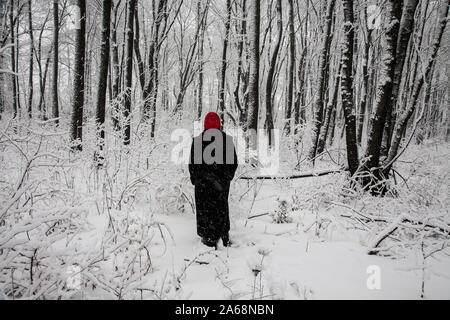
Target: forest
(347, 102)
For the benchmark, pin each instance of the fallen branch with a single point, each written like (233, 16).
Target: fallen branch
(296, 176)
(258, 215)
(196, 261)
(384, 234)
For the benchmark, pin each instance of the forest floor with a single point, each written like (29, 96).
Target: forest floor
(317, 255)
(128, 229)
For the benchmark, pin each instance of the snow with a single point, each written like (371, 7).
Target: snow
(335, 268)
(128, 231)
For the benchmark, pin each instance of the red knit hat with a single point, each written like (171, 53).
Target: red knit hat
(212, 121)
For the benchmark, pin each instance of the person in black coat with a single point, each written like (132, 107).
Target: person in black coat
(213, 163)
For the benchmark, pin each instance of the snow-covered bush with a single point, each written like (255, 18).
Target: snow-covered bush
(283, 211)
(62, 216)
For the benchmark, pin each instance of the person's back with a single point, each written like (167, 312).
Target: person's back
(213, 163)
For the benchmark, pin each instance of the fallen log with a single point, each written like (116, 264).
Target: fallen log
(295, 176)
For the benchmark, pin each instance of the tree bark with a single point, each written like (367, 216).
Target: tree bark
(270, 77)
(332, 104)
(400, 126)
(78, 86)
(128, 72)
(224, 65)
(31, 61)
(55, 106)
(200, 58)
(404, 35)
(322, 79)
(365, 78)
(347, 88)
(382, 107)
(242, 75)
(13, 59)
(115, 66)
(103, 76)
(150, 93)
(290, 93)
(137, 50)
(253, 86)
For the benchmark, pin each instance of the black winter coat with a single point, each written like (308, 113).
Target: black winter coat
(211, 171)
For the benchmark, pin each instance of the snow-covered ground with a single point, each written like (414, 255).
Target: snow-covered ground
(296, 263)
(128, 230)
(296, 260)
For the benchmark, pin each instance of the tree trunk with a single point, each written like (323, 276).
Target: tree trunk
(400, 126)
(128, 72)
(13, 59)
(322, 79)
(150, 93)
(78, 85)
(115, 66)
(224, 65)
(137, 50)
(31, 61)
(347, 89)
(253, 86)
(55, 107)
(103, 76)
(291, 71)
(200, 58)
(404, 35)
(382, 107)
(332, 103)
(365, 78)
(271, 74)
(242, 76)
